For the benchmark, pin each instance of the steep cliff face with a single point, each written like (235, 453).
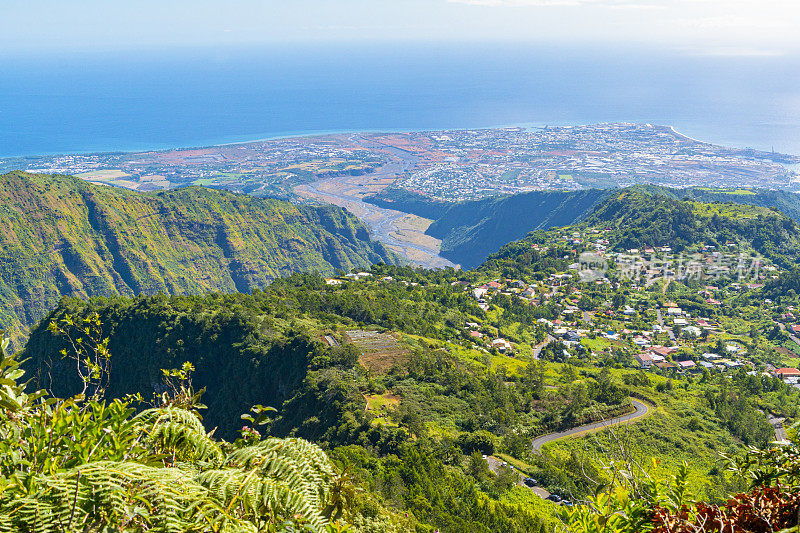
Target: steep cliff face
(471, 231)
(61, 236)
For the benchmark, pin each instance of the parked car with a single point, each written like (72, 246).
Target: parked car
(554, 498)
(530, 482)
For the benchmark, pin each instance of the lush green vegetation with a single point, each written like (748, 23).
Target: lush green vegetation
(695, 420)
(399, 376)
(61, 236)
(420, 467)
(641, 219)
(452, 401)
(786, 202)
(264, 348)
(83, 464)
(636, 501)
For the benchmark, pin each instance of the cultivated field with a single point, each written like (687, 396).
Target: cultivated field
(379, 351)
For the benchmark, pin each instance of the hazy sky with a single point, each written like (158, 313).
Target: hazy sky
(729, 27)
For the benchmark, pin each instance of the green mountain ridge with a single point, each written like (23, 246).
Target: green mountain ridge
(471, 231)
(635, 218)
(61, 236)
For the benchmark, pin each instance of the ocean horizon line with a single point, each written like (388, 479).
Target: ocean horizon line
(256, 138)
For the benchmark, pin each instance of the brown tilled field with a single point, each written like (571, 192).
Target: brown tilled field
(380, 352)
(786, 351)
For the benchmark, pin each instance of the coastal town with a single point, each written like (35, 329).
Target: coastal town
(262, 168)
(479, 163)
(449, 165)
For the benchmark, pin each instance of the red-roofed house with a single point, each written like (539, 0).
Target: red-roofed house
(785, 373)
(664, 350)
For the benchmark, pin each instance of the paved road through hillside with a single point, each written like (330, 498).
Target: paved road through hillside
(641, 409)
(537, 350)
(788, 332)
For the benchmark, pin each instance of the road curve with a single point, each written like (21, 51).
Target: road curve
(641, 409)
(537, 350)
(788, 332)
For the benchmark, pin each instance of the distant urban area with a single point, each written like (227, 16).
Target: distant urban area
(449, 165)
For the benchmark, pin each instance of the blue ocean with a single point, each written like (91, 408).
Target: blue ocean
(153, 99)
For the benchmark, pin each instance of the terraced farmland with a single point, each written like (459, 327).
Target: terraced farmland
(379, 351)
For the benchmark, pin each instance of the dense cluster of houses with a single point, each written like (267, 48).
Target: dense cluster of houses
(680, 328)
(668, 338)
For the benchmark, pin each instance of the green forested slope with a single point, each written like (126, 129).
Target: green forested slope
(266, 348)
(784, 201)
(471, 231)
(640, 219)
(62, 236)
(637, 217)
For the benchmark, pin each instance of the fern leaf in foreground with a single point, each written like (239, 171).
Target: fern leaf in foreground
(73, 465)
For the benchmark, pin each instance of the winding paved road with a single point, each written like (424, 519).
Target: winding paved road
(788, 332)
(539, 347)
(641, 409)
(494, 465)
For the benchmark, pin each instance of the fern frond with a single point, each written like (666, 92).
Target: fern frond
(178, 431)
(256, 497)
(106, 493)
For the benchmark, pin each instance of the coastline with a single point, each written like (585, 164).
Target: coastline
(323, 133)
(279, 136)
(684, 136)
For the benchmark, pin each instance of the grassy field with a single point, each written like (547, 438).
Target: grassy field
(381, 405)
(600, 344)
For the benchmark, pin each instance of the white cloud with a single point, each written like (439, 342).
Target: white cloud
(760, 25)
(765, 7)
